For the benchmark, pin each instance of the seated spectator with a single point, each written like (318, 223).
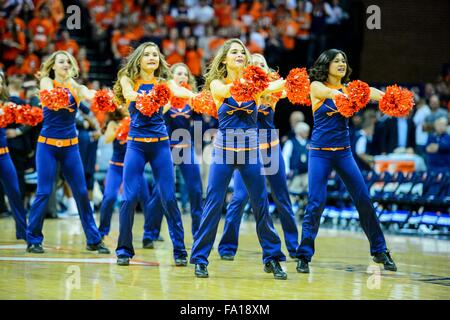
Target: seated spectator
(201, 15)
(67, 44)
(16, 69)
(194, 57)
(436, 112)
(31, 61)
(399, 136)
(363, 146)
(42, 29)
(422, 111)
(294, 118)
(438, 146)
(295, 155)
(84, 63)
(13, 41)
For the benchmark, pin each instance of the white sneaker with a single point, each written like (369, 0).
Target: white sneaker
(72, 209)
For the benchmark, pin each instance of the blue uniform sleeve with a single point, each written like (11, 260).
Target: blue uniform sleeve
(84, 108)
(444, 144)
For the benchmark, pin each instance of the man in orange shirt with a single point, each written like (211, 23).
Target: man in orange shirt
(67, 44)
(13, 41)
(41, 29)
(31, 62)
(194, 57)
(16, 69)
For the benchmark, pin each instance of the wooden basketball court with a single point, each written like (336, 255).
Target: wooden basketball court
(341, 269)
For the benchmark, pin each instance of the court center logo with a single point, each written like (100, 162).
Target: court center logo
(73, 280)
(374, 280)
(373, 21)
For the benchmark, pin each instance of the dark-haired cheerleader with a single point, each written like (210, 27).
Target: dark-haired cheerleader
(330, 149)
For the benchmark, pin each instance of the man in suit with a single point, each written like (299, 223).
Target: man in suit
(399, 136)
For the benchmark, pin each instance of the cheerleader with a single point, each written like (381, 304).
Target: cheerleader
(58, 142)
(330, 149)
(114, 175)
(147, 142)
(179, 117)
(237, 123)
(273, 160)
(8, 174)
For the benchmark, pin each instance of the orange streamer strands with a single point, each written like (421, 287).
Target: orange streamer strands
(397, 101)
(150, 103)
(103, 101)
(298, 86)
(55, 99)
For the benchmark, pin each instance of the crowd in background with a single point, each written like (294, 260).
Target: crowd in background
(289, 33)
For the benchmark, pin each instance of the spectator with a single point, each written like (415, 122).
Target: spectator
(180, 15)
(17, 68)
(295, 155)
(13, 41)
(294, 118)
(363, 146)
(194, 57)
(438, 146)
(31, 62)
(201, 15)
(436, 112)
(423, 111)
(399, 136)
(67, 44)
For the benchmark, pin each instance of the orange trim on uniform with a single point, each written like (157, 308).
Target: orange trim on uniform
(179, 145)
(235, 149)
(119, 164)
(4, 150)
(58, 142)
(147, 140)
(317, 105)
(330, 149)
(269, 145)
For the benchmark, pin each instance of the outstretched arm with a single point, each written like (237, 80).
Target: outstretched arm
(376, 94)
(46, 84)
(275, 86)
(321, 91)
(110, 133)
(83, 92)
(127, 89)
(179, 91)
(220, 90)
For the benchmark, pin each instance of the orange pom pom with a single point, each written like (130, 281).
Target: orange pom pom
(103, 101)
(255, 81)
(204, 103)
(298, 86)
(359, 93)
(123, 129)
(397, 101)
(345, 106)
(55, 99)
(36, 116)
(7, 114)
(241, 92)
(22, 114)
(149, 103)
